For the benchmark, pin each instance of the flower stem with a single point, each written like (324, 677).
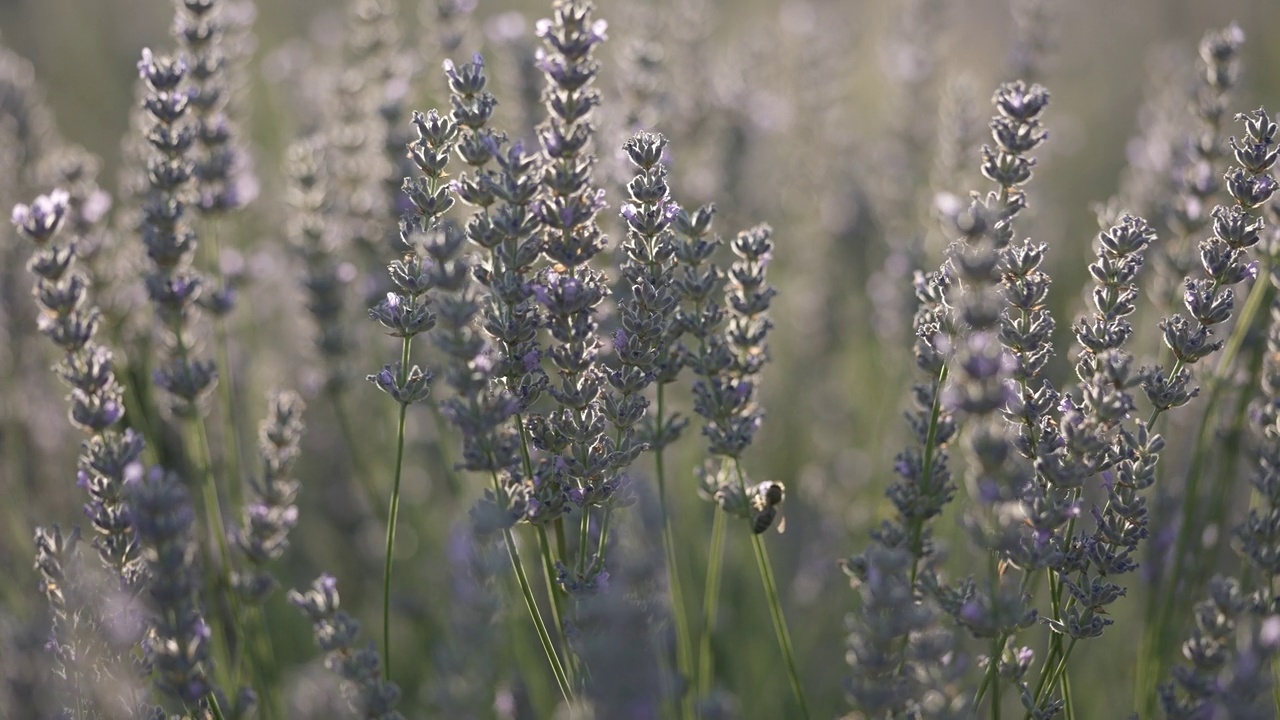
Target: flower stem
(684, 642)
(775, 607)
(552, 657)
(711, 603)
(393, 513)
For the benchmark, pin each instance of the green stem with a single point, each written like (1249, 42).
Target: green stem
(584, 532)
(1049, 680)
(994, 662)
(543, 636)
(553, 592)
(267, 654)
(213, 509)
(562, 542)
(548, 561)
(684, 641)
(711, 603)
(775, 605)
(215, 707)
(779, 621)
(393, 514)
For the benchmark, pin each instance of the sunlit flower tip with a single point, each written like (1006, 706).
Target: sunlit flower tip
(133, 473)
(543, 28)
(478, 60)
(1269, 633)
(629, 212)
(599, 30)
(145, 63)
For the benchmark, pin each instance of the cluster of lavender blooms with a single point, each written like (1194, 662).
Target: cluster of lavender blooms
(359, 667)
(173, 285)
(97, 398)
(1092, 433)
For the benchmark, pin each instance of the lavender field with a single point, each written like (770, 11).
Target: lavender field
(679, 359)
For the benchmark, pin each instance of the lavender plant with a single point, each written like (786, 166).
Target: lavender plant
(1036, 470)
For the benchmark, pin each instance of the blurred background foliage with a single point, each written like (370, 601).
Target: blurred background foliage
(818, 117)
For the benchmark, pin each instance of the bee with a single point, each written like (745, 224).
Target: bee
(768, 497)
(774, 493)
(764, 518)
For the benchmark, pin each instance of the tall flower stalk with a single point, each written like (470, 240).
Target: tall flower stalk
(405, 311)
(725, 396)
(645, 345)
(496, 383)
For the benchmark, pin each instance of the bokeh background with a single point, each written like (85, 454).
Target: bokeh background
(821, 118)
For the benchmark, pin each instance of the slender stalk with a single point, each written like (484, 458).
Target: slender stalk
(561, 542)
(775, 606)
(553, 594)
(584, 531)
(231, 429)
(213, 509)
(548, 561)
(779, 621)
(393, 514)
(996, 645)
(217, 709)
(684, 641)
(711, 603)
(552, 657)
(267, 654)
